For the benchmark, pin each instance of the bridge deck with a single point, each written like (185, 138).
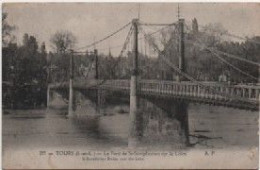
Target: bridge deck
(241, 96)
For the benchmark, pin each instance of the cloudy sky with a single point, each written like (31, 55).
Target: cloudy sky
(89, 21)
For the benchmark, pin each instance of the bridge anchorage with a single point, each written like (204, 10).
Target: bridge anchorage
(173, 97)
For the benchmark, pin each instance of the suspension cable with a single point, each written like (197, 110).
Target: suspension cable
(175, 68)
(223, 60)
(159, 30)
(228, 63)
(234, 67)
(231, 55)
(119, 57)
(242, 38)
(105, 38)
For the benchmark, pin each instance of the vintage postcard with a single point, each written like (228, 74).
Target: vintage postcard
(130, 85)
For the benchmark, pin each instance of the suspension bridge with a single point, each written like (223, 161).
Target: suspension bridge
(133, 84)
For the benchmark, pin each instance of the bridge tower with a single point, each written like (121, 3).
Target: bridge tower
(181, 106)
(48, 98)
(96, 64)
(98, 94)
(181, 47)
(70, 109)
(135, 124)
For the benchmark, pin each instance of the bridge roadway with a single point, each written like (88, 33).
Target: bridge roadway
(238, 96)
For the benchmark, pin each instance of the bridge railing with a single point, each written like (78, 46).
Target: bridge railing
(213, 90)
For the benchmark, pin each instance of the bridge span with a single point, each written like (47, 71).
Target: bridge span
(237, 96)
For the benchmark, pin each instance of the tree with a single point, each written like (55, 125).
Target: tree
(249, 50)
(30, 62)
(195, 27)
(7, 29)
(25, 39)
(201, 64)
(211, 34)
(30, 43)
(25, 67)
(62, 41)
(43, 48)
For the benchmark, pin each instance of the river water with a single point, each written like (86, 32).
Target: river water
(209, 126)
(230, 133)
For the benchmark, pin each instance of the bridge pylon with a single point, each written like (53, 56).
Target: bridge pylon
(181, 48)
(98, 94)
(48, 98)
(70, 107)
(135, 133)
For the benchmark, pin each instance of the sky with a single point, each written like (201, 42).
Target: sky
(93, 21)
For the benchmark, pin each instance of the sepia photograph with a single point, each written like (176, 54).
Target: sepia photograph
(120, 85)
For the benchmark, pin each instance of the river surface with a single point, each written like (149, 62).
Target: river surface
(209, 126)
(231, 134)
